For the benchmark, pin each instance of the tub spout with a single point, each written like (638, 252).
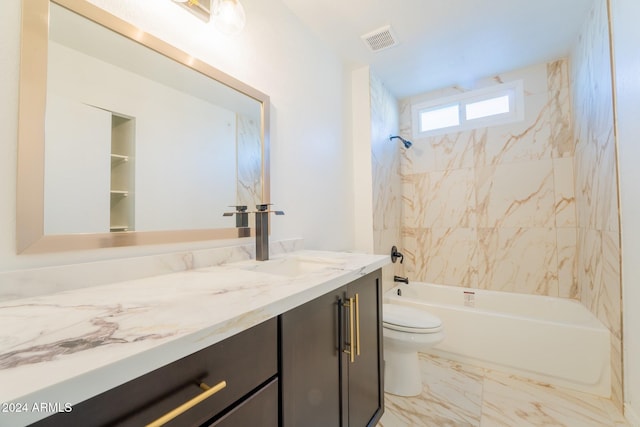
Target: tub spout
(401, 279)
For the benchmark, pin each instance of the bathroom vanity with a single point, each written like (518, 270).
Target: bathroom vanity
(294, 341)
(325, 387)
(237, 377)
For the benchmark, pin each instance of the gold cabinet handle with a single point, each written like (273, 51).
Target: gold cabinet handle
(357, 326)
(209, 391)
(350, 352)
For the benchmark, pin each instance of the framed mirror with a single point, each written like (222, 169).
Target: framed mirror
(125, 140)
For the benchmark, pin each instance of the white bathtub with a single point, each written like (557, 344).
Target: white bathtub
(552, 340)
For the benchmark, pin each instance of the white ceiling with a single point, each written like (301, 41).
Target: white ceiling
(445, 42)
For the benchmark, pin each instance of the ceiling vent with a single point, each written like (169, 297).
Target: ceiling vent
(380, 39)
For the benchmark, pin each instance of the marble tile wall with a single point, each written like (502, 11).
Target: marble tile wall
(387, 188)
(598, 255)
(494, 207)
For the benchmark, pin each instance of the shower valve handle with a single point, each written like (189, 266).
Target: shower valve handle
(395, 255)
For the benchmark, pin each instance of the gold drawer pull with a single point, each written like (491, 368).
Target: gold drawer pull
(357, 326)
(350, 352)
(210, 391)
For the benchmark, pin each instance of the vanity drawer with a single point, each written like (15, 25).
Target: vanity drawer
(244, 361)
(261, 409)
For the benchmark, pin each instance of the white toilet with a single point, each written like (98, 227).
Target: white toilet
(406, 331)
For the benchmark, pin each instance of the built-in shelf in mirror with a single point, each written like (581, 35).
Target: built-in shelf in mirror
(122, 206)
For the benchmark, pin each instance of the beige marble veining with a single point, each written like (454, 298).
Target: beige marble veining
(479, 186)
(596, 192)
(512, 401)
(454, 150)
(560, 109)
(519, 141)
(421, 158)
(590, 267)
(567, 239)
(439, 199)
(456, 394)
(617, 397)
(564, 192)
(452, 396)
(249, 169)
(441, 255)
(518, 260)
(609, 308)
(530, 203)
(598, 250)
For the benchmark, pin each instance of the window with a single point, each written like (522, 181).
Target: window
(440, 117)
(488, 107)
(495, 105)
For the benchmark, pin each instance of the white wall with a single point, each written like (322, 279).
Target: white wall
(362, 167)
(626, 39)
(77, 163)
(310, 169)
(184, 147)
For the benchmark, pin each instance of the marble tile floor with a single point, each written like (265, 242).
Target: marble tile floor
(460, 395)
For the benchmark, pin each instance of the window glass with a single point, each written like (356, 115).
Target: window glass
(487, 107)
(440, 118)
(490, 106)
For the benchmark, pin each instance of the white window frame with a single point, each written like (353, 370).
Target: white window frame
(514, 90)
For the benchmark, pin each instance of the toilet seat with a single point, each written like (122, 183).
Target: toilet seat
(408, 319)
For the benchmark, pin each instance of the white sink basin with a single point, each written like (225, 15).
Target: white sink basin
(292, 266)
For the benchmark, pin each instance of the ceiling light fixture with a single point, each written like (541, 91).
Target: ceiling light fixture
(228, 16)
(200, 8)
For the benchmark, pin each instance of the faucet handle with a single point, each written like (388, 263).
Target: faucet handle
(238, 210)
(242, 216)
(264, 207)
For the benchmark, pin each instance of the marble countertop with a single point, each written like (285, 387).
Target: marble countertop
(66, 347)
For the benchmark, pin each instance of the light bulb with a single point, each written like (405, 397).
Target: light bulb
(229, 17)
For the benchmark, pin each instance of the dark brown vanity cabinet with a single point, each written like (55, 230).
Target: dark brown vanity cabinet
(331, 358)
(319, 364)
(244, 367)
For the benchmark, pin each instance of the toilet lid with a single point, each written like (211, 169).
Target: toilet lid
(403, 318)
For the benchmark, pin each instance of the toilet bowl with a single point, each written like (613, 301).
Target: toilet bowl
(406, 331)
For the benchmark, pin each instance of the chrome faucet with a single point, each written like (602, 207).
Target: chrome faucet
(242, 216)
(262, 226)
(242, 220)
(262, 230)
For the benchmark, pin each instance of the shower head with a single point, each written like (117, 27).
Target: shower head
(406, 143)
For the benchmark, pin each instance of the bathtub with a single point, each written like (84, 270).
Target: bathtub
(547, 339)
